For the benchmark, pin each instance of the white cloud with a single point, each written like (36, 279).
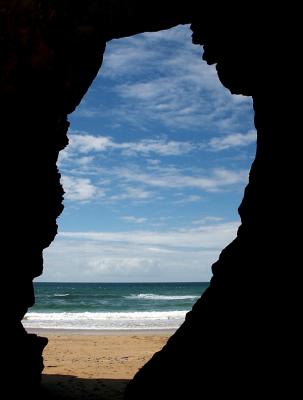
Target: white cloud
(205, 236)
(217, 179)
(188, 199)
(125, 56)
(132, 193)
(208, 220)
(145, 90)
(120, 267)
(128, 56)
(160, 76)
(87, 112)
(136, 220)
(158, 146)
(84, 180)
(153, 162)
(233, 140)
(132, 183)
(85, 143)
(184, 93)
(173, 255)
(78, 189)
(84, 161)
(154, 86)
(177, 34)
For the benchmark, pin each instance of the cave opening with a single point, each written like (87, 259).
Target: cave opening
(157, 160)
(50, 53)
(159, 154)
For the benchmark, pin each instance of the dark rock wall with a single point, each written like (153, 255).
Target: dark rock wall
(240, 339)
(234, 341)
(48, 59)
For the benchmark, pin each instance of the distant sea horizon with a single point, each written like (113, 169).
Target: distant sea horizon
(112, 305)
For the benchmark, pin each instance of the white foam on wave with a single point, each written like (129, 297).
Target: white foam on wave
(61, 295)
(151, 296)
(105, 320)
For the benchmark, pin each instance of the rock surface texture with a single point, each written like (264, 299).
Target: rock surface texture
(238, 340)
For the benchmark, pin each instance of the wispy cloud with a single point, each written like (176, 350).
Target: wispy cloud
(232, 140)
(157, 146)
(208, 220)
(188, 198)
(149, 182)
(144, 147)
(126, 57)
(79, 189)
(205, 236)
(172, 84)
(86, 143)
(168, 177)
(135, 193)
(140, 255)
(135, 220)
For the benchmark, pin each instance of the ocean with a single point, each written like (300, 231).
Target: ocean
(112, 306)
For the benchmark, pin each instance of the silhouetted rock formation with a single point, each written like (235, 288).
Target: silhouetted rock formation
(232, 342)
(48, 60)
(236, 341)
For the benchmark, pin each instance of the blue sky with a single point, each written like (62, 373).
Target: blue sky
(158, 160)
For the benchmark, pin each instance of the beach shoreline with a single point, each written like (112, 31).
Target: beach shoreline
(95, 364)
(100, 332)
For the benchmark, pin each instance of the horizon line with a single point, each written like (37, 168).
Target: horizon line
(122, 282)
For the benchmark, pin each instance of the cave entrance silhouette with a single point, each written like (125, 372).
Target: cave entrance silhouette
(50, 53)
(93, 141)
(142, 183)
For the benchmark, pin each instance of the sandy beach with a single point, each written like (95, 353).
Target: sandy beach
(82, 365)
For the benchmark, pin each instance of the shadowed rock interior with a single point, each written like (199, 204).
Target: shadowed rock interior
(239, 339)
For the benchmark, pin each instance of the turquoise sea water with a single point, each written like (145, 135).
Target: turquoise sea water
(112, 305)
